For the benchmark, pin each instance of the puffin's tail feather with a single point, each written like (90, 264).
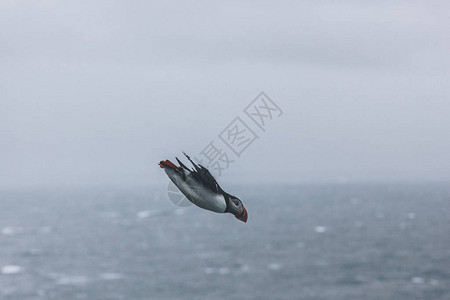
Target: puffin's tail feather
(168, 164)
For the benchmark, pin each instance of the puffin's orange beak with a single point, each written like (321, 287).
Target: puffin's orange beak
(243, 216)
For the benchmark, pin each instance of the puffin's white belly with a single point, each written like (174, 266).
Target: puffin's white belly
(197, 193)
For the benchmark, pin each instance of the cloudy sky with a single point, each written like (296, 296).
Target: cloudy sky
(97, 92)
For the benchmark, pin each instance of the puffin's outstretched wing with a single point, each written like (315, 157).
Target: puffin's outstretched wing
(202, 174)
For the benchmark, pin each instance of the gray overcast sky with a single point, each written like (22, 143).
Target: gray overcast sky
(97, 92)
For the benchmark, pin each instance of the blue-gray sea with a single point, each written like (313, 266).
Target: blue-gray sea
(347, 241)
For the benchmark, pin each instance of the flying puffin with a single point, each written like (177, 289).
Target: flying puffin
(200, 187)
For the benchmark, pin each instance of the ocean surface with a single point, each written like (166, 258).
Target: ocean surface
(300, 242)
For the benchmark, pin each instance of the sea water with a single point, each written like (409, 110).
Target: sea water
(335, 242)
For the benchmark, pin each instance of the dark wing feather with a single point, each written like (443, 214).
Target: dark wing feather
(181, 164)
(203, 175)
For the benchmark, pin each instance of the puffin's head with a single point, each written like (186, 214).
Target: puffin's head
(237, 209)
